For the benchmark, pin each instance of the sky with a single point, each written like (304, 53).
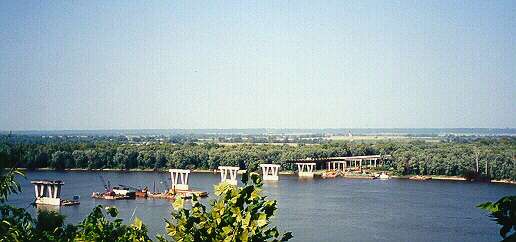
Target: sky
(68, 65)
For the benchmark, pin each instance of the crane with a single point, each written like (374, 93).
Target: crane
(107, 185)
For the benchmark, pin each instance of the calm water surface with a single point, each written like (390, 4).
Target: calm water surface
(315, 209)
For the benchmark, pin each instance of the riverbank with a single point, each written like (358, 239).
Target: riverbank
(284, 173)
(144, 170)
(445, 178)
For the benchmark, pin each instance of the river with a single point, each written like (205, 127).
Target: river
(313, 209)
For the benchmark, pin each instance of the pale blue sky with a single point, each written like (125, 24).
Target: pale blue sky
(270, 64)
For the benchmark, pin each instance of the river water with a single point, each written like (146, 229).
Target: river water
(313, 209)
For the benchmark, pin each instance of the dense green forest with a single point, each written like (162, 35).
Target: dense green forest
(447, 157)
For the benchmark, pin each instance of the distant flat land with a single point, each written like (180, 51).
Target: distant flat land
(263, 131)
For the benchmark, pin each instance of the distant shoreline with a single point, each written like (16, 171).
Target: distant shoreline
(274, 131)
(141, 170)
(285, 173)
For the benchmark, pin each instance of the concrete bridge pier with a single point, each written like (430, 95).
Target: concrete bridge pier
(179, 179)
(270, 172)
(305, 169)
(48, 192)
(231, 171)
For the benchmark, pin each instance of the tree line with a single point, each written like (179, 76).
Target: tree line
(495, 157)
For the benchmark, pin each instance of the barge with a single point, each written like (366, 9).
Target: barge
(120, 192)
(111, 196)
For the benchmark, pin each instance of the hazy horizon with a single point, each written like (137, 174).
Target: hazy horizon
(274, 131)
(249, 65)
(285, 128)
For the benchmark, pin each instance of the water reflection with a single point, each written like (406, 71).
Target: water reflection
(48, 208)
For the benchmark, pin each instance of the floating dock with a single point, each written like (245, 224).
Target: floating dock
(171, 195)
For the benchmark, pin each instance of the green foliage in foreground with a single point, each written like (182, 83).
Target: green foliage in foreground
(8, 173)
(8, 183)
(96, 227)
(504, 213)
(239, 214)
(16, 224)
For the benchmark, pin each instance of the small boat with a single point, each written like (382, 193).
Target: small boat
(69, 202)
(384, 176)
(329, 174)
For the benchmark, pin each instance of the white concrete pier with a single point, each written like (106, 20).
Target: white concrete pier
(336, 166)
(270, 172)
(232, 171)
(48, 192)
(305, 169)
(179, 179)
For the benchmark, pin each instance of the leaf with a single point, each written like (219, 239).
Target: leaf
(178, 203)
(287, 236)
(160, 238)
(226, 230)
(504, 213)
(245, 177)
(227, 239)
(221, 188)
(246, 220)
(489, 206)
(112, 211)
(255, 195)
(257, 180)
(137, 223)
(262, 220)
(244, 237)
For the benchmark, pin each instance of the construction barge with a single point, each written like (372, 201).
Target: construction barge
(171, 194)
(110, 195)
(179, 188)
(120, 192)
